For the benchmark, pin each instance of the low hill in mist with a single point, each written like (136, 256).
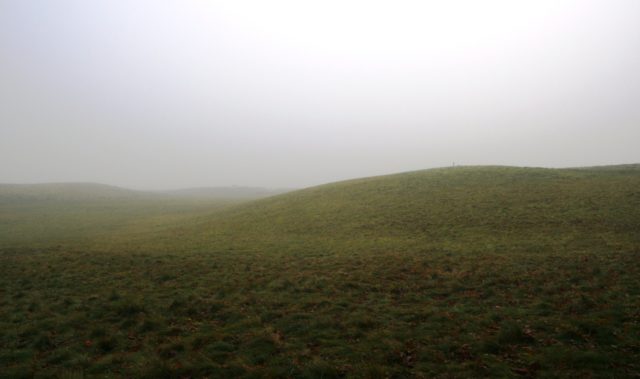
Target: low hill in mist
(95, 191)
(234, 192)
(63, 192)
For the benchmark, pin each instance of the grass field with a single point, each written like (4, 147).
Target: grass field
(458, 272)
(82, 214)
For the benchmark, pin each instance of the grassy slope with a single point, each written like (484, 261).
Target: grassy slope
(465, 272)
(79, 214)
(466, 208)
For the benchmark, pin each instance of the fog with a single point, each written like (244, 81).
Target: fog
(169, 94)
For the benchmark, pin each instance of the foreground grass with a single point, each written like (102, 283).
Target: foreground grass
(423, 314)
(473, 272)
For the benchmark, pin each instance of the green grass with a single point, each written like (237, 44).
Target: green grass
(464, 272)
(46, 215)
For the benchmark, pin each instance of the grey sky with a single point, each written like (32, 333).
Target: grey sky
(166, 94)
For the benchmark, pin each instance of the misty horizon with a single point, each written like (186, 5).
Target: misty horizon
(159, 96)
(258, 187)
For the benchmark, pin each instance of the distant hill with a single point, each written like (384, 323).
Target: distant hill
(234, 192)
(63, 192)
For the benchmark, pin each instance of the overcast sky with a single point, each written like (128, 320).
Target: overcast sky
(156, 94)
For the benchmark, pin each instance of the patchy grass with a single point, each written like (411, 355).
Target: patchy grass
(470, 272)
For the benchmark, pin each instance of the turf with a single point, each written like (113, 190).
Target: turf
(80, 214)
(460, 272)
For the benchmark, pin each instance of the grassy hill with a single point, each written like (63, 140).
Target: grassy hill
(458, 272)
(466, 207)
